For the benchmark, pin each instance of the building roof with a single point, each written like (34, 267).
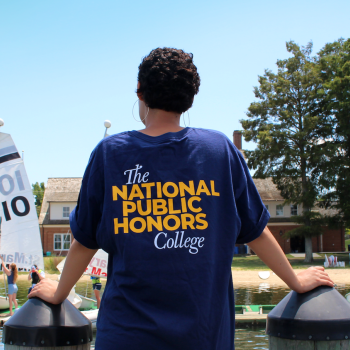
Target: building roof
(66, 189)
(268, 190)
(59, 189)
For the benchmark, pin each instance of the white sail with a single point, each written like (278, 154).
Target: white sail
(97, 266)
(20, 236)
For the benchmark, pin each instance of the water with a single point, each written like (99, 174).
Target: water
(245, 338)
(83, 288)
(251, 338)
(266, 294)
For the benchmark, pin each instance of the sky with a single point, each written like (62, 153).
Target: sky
(67, 66)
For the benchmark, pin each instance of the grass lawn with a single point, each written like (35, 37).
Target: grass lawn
(239, 262)
(252, 262)
(347, 242)
(50, 263)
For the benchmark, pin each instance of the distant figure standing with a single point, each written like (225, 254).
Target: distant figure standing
(36, 275)
(12, 275)
(96, 286)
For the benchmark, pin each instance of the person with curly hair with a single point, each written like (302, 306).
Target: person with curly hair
(168, 204)
(12, 275)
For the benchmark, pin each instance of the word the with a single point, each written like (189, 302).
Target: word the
(137, 176)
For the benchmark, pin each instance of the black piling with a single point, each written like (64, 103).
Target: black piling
(319, 319)
(47, 326)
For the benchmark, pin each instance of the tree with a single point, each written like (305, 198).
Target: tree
(38, 192)
(334, 66)
(284, 124)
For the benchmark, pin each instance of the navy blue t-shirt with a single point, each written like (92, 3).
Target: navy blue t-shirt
(169, 211)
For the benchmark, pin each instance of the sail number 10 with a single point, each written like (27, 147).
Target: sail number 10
(15, 200)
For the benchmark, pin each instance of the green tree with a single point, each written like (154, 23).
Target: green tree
(38, 192)
(284, 124)
(334, 66)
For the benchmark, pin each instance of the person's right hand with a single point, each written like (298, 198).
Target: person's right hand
(45, 290)
(311, 278)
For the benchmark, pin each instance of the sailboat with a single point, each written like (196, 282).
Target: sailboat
(20, 241)
(97, 268)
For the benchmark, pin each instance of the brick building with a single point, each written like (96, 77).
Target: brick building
(280, 221)
(61, 196)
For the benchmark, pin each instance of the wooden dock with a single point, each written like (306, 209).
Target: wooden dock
(246, 315)
(252, 315)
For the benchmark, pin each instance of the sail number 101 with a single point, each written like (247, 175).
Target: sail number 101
(16, 199)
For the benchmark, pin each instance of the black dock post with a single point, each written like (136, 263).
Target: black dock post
(38, 324)
(316, 320)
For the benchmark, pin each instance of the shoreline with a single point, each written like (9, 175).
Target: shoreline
(246, 277)
(53, 276)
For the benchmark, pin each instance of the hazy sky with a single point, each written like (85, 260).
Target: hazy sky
(66, 66)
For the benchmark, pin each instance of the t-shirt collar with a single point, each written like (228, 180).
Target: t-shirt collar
(167, 136)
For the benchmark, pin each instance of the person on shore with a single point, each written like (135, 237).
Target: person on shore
(96, 287)
(168, 204)
(12, 275)
(36, 275)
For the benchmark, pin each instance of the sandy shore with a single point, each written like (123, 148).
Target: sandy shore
(241, 277)
(52, 277)
(250, 277)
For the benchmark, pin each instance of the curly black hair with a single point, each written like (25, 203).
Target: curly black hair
(168, 80)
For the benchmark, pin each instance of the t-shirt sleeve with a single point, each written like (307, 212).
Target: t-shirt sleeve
(86, 216)
(252, 212)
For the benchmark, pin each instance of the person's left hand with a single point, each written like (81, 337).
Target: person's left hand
(45, 290)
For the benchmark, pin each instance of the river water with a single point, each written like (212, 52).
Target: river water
(246, 338)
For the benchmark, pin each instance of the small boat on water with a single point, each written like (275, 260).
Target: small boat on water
(86, 303)
(74, 299)
(4, 303)
(347, 297)
(92, 316)
(20, 241)
(98, 268)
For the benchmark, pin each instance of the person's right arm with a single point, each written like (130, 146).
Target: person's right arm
(77, 259)
(269, 251)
